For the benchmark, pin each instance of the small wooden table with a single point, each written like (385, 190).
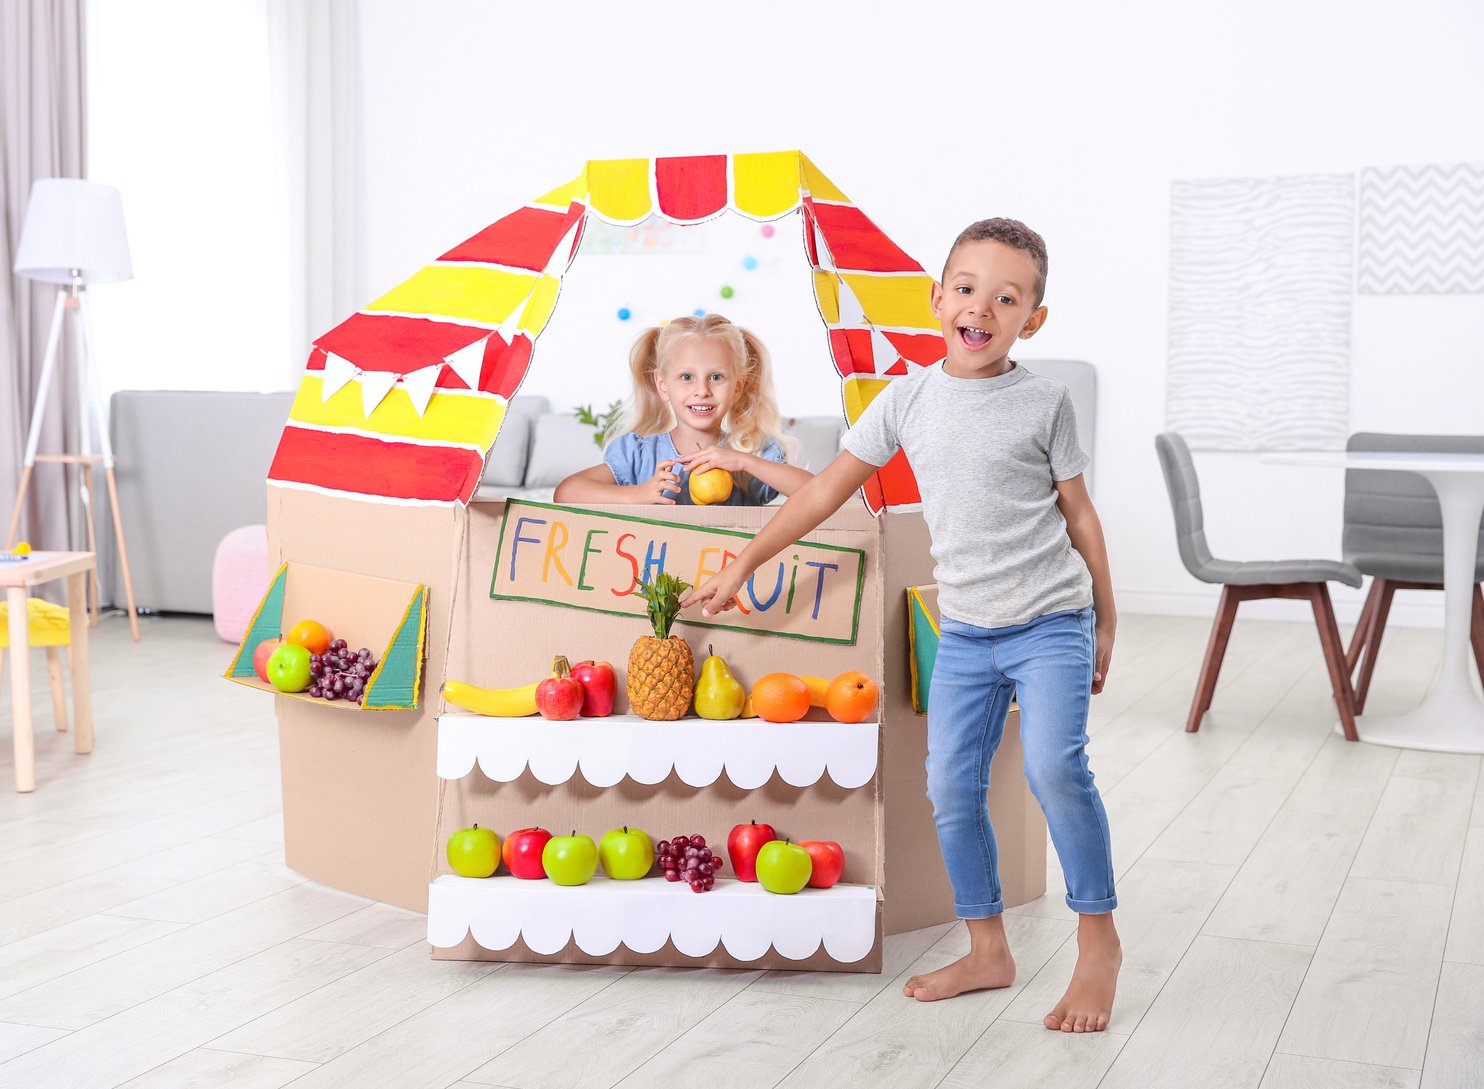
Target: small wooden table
(17, 579)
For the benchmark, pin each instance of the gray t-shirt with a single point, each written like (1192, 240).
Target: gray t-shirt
(985, 452)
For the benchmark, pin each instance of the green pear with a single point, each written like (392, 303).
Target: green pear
(719, 695)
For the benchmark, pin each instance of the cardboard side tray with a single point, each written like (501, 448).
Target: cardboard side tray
(389, 617)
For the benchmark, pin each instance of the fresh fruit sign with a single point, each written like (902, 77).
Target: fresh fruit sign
(596, 560)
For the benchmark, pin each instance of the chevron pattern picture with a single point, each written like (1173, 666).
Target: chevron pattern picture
(1422, 230)
(1261, 289)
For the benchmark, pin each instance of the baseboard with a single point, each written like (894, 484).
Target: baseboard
(1409, 608)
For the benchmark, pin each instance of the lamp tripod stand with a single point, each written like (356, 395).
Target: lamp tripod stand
(75, 302)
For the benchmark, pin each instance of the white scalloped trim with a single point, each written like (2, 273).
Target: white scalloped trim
(744, 918)
(699, 750)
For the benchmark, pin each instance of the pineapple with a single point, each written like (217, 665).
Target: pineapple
(662, 672)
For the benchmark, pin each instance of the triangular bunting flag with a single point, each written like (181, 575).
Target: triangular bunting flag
(510, 327)
(467, 362)
(337, 372)
(850, 307)
(374, 387)
(884, 354)
(419, 386)
(561, 257)
(822, 255)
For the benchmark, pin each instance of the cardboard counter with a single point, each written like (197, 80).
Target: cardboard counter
(370, 799)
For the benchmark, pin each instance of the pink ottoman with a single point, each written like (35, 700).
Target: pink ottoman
(239, 579)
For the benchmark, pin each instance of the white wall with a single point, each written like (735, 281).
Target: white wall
(1074, 116)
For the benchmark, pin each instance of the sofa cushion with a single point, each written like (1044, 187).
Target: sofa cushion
(560, 446)
(506, 466)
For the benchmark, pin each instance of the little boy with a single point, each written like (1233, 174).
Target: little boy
(1024, 592)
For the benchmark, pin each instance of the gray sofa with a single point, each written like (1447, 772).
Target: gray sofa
(191, 467)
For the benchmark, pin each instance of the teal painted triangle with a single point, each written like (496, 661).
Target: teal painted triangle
(401, 667)
(267, 624)
(924, 653)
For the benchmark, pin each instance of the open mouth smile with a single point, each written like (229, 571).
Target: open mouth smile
(972, 337)
(700, 410)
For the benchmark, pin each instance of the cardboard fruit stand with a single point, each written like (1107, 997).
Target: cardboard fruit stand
(373, 480)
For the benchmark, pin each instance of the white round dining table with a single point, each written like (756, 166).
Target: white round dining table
(1451, 716)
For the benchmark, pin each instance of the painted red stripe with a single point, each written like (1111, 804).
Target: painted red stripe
(395, 470)
(524, 239)
(924, 349)
(691, 188)
(898, 484)
(851, 349)
(857, 243)
(386, 342)
(505, 365)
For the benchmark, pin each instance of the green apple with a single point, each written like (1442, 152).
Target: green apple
(288, 668)
(570, 860)
(627, 854)
(474, 852)
(783, 867)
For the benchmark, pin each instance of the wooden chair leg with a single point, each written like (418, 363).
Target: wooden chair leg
(1362, 627)
(1477, 631)
(1373, 644)
(59, 692)
(1221, 630)
(1334, 657)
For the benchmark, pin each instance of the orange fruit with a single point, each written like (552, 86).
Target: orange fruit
(311, 635)
(780, 697)
(851, 697)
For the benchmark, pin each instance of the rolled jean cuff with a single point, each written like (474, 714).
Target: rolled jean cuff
(979, 911)
(1092, 907)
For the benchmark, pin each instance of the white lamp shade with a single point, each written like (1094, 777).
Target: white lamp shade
(74, 224)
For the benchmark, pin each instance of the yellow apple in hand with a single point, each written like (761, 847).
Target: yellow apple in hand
(710, 486)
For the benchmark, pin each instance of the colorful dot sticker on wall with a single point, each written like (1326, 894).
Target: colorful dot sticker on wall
(767, 231)
(624, 314)
(749, 263)
(726, 291)
(699, 311)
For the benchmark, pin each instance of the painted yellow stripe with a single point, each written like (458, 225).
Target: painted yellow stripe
(818, 185)
(474, 293)
(563, 195)
(827, 291)
(767, 184)
(618, 189)
(450, 418)
(899, 301)
(860, 392)
(538, 310)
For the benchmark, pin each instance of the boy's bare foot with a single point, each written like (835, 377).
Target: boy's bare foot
(986, 966)
(1088, 1003)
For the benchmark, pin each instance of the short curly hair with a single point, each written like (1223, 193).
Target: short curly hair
(1011, 232)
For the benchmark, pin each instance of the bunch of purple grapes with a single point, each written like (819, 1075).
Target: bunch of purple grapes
(687, 858)
(337, 674)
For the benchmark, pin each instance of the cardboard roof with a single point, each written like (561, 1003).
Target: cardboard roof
(401, 402)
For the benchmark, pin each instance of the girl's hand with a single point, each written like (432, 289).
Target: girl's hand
(718, 593)
(716, 457)
(657, 488)
(1104, 657)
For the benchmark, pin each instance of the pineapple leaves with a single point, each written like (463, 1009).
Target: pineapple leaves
(662, 601)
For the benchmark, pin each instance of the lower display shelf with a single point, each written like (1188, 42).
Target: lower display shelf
(742, 917)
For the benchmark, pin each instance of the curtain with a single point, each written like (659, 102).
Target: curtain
(41, 136)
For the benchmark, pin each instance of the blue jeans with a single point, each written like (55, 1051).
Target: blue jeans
(1049, 663)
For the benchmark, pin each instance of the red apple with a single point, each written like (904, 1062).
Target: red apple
(598, 687)
(828, 859)
(260, 658)
(522, 853)
(560, 695)
(745, 841)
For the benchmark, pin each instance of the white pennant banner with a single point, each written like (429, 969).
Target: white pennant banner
(510, 327)
(374, 387)
(337, 372)
(467, 362)
(822, 252)
(850, 307)
(884, 354)
(419, 386)
(561, 257)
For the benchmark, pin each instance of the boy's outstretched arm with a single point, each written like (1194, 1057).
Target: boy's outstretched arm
(1086, 532)
(818, 498)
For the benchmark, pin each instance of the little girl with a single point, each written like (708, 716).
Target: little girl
(691, 377)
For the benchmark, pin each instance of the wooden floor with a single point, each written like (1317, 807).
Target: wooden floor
(1296, 911)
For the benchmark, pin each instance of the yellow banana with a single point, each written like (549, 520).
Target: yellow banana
(496, 702)
(818, 686)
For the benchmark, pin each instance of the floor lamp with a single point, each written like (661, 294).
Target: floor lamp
(74, 236)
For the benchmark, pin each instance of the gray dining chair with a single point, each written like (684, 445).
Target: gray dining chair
(1394, 533)
(1307, 580)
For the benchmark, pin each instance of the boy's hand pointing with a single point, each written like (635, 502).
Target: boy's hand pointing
(717, 594)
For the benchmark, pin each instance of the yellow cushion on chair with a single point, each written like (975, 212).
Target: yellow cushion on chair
(47, 625)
